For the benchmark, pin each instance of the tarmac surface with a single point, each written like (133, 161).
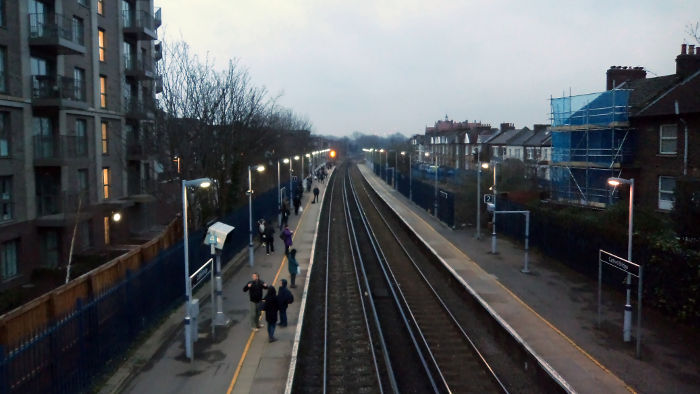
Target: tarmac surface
(557, 299)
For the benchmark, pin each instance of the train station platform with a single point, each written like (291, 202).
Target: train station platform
(237, 359)
(553, 309)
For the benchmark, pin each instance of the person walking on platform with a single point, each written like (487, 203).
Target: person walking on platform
(270, 239)
(284, 298)
(261, 231)
(271, 308)
(293, 266)
(285, 214)
(297, 203)
(287, 238)
(255, 289)
(316, 191)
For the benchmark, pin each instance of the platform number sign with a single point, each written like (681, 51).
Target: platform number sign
(489, 199)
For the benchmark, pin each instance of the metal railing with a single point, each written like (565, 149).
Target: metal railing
(50, 87)
(60, 147)
(140, 107)
(63, 202)
(138, 20)
(140, 66)
(49, 25)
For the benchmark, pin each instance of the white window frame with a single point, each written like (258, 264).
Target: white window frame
(662, 138)
(666, 204)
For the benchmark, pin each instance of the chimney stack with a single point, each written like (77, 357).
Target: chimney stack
(687, 63)
(616, 75)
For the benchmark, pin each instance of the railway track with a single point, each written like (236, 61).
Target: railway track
(383, 316)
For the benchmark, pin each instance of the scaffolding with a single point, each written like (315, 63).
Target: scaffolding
(591, 140)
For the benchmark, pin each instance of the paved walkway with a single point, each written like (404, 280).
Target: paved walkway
(554, 310)
(237, 359)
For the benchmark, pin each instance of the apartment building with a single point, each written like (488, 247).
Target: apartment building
(77, 88)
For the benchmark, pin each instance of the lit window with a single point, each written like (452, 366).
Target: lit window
(101, 42)
(103, 91)
(100, 7)
(4, 135)
(5, 198)
(105, 139)
(106, 178)
(668, 139)
(667, 189)
(8, 259)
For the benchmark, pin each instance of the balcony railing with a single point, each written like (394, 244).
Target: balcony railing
(141, 68)
(158, 51)
(60, 147)
(50, 87)
(57, 31)
(135, 108)
(141, 23)
(63, 202)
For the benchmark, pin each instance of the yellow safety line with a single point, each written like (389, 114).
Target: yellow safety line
(252, 334)
(571, 341)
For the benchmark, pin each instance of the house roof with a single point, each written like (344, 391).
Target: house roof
(520, 138)
(645, 90)
(686, 92)
(504, 137)
(540, 138)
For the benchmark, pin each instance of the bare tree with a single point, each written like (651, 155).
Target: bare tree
(693, 31)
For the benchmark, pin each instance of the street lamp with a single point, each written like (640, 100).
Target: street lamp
(493, 221)
(285, 161)
(627, 323)
(279, 196)
(380, 163)
(311, 165)
(410, 176)
(297, 158)
(435, 201)
(478, 193)
(203, 183)
(249, 192)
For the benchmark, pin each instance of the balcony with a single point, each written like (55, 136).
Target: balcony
(158, 51)
(56, 34)
(141, 25)
(59, 210)
(49, 91)
(138, 69)
(50, 151)
(139, 109)
(158, 88)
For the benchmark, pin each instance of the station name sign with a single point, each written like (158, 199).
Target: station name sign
(619, 263)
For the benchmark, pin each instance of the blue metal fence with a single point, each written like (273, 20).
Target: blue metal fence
(66, 356)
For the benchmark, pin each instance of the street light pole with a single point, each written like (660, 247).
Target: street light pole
(493, 222)
(479, 166)
(250, 218)
(396, 163)
(435, 202)
(279, 196)
(627, 322)
(201, 182)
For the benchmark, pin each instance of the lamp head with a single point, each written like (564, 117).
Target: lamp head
(614, 181)
(260, 168)
(427, 154)
(285, 161)
(485, 165)
(201, 182)
(403, 153)
(296, 157)
(381, 151)
(116, 216)
(308, 155)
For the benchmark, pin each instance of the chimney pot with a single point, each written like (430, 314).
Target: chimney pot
(691, 49)
(683, 46)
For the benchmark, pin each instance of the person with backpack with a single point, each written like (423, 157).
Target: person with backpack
(269, 239)
(271, 308)
(316, 192)
(286, 236)
(293, 266)
(284, 298)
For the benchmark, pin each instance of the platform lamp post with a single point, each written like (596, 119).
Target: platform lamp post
(435, 201)
(627, 323)
(380, 163)
(478, 193)
(410, 175)
(249, 192)
(289, 192)
(396, 163)
(279, 196)
(493, 221)
(311, 165)
(203, 183)
(297, 158)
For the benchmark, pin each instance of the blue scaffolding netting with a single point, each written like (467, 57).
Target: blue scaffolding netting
(602, 108)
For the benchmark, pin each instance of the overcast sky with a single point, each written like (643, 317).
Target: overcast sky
(381, 67)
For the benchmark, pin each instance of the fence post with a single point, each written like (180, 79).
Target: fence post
(4, 386)
(83, 362)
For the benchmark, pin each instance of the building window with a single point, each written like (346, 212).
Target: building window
(106, 185)
(44, 144)
(126, 13)
(78, 30)
(103, 91)
(2, 13)
(667, 190)
(3, 68)
(8, 259)
(49, 248)
(5, 198)
(101, 42)
(83, 185)
(80, 138)
(105, 139)
(100, 7)
(668, 139)
(128, 56)
(5, 139)
(78, 83)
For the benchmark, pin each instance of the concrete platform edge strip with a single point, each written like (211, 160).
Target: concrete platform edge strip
(543, 363)
(302, 308)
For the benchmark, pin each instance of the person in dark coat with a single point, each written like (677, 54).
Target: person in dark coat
(255, 289)
(316, 191)
(284, 298)
(297, 203)
(285, 214)
(293, 266)
(271, 308)
(287, 237)
(270, 239)
(261, 231)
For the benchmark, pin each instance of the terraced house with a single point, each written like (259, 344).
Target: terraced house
(77, 89)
